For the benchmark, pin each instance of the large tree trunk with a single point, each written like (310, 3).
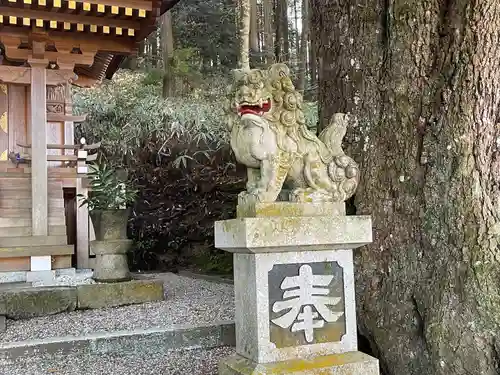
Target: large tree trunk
(267, 6)
(278, 44)
(153, 42)
(254, 33)
(284, 29)
(167, 40)
(244, 35)
(422, 81)
(303, 46)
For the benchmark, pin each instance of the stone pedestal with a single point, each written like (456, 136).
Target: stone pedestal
(294, 289)
(111, 260)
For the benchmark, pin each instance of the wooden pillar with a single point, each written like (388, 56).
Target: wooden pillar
(38, 114)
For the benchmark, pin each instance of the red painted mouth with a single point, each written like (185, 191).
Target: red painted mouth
(255, 109)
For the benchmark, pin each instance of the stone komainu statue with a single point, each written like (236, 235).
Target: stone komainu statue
(269, 136)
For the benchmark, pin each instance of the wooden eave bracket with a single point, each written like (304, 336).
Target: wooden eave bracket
(63, 57)
(22, 75)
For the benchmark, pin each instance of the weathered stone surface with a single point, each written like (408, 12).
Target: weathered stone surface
(110, 246)
(290, 209)
(33, 302)
(97, 296)
(3, 323)
(279, 234)
(352, 363)
(111, 263)
(270, 137)
(259, 334)
(110, 224)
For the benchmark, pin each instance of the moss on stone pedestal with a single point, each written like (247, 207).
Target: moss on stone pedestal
(289, 209)
(351, 363)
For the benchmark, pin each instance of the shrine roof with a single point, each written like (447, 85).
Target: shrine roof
(100, 32)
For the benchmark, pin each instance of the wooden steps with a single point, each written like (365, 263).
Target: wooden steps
(54, 230)
(11, 222)
(8, 201)
(32, 241)
(53, 173)
(26, 213)
(29, 251)
(17, 243)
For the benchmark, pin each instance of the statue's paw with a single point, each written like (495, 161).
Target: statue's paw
(251, 186)
(247, 198)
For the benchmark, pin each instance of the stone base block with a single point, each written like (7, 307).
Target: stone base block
(292, 234)
(32, 302)
(294, 305)
(3, 323)
(96, 296)
(111, 260)
(351, 363)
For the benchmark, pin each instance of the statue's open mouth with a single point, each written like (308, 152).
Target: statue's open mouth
(255, 109)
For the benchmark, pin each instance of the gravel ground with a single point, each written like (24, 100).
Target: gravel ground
(188, 301)
(192, 362)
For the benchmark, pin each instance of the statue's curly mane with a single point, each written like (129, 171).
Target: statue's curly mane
(287, 116)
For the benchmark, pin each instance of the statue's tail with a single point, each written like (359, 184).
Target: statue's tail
(333, 134)
(343, 170)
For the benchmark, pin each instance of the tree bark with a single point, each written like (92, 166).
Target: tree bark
(254, 32)
(244, 34)
(153, 42)
(167, 40)
(278, 49)
(422, 82)
(284, 28)
(267, 6)
(304, 37)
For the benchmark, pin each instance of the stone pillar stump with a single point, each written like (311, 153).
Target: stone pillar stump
(111, 263)
(294, 289)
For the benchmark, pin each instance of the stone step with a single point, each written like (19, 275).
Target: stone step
(54, 230)
(33, 241)
(167, 358)
(152, 341)
(28, 251)
(26, 213)
(55, 203)
(10, 222)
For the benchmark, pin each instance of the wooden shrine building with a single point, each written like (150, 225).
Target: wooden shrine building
(47, 45)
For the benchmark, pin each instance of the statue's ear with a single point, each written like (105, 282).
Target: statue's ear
(279, 70)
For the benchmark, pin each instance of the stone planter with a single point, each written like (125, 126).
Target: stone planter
(111, 245)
